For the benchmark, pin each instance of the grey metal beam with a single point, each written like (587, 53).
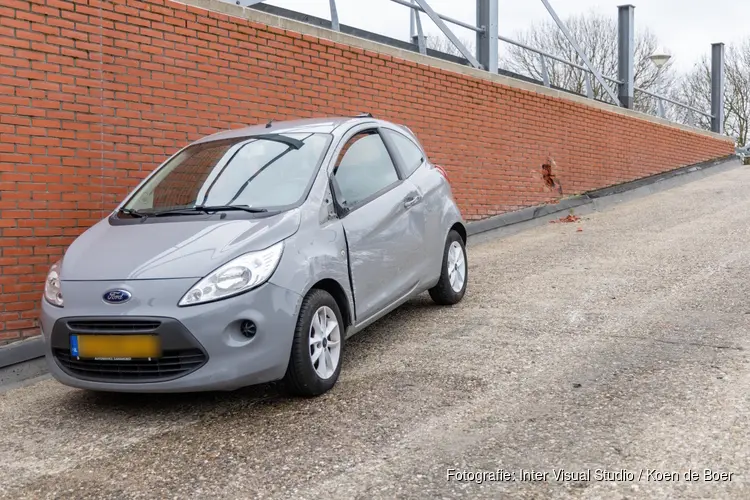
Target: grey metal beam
(412, 26)
(447, 32)
(717, 88)
(578, 49)
(334, 16)
(626, 55)
(417, 34)
(589, 86)
(487, 42)
(545, 73)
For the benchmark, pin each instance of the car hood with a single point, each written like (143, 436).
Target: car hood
(168, 250)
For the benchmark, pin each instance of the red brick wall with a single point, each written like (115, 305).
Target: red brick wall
(94, 94)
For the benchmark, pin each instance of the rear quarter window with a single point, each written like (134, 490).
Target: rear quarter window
(411, 155)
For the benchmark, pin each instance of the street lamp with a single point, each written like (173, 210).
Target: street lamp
(660, 57)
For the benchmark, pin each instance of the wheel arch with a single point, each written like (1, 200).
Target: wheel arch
(338, 293)
(461, 230)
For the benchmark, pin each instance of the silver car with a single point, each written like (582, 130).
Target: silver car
(251, 256)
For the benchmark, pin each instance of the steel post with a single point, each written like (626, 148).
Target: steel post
(545, 73)
(334, 16)
(717, 88)
(487, 42)
(626, 55)
(417, 35)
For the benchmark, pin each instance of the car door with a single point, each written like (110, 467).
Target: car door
(383, 236)
(411, 161)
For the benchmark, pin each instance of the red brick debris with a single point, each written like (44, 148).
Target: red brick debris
(569, 218)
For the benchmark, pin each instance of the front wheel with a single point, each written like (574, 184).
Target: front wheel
(451, 287)
(315, 361)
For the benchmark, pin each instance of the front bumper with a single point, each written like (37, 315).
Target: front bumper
(207, 338)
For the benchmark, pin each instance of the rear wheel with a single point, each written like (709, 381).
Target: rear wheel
(315, 361)
(451, 287)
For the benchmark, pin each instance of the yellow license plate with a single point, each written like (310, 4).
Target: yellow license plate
(115, 346)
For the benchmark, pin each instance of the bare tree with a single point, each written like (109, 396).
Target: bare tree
(597, 36)
(694, 89)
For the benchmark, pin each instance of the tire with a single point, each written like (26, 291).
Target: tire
(445, 293)
(305, 376)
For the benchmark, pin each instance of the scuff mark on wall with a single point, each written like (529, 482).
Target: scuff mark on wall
(550, 179)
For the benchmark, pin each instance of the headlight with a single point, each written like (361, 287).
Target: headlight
(237, 276)
(52, 291)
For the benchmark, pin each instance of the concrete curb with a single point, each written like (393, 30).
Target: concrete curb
(21, 351)
(639, 187)
(24, 359)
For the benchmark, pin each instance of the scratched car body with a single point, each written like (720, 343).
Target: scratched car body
(251, 256)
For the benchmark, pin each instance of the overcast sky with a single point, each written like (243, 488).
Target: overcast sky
(685, 27)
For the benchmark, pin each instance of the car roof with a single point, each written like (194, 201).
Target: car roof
(310, 125)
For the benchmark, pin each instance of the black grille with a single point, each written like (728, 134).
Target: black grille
(181, 351)
(171, 365)
(122, 326)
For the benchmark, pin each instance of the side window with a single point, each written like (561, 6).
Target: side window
(409, 152)
(363, 168)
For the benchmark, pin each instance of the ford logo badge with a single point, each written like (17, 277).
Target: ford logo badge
(117, 296)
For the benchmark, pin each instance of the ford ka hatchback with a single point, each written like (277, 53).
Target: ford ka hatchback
(251, 256)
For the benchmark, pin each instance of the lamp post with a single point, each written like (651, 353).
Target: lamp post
(660, 57)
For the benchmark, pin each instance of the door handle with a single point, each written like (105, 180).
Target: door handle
(412, 200)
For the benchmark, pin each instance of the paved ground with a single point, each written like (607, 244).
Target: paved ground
(623, 347)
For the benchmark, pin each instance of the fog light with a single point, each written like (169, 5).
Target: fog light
(248, 329)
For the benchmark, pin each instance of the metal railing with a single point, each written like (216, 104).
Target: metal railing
(488, 39)
(662, 99)
(543, 56)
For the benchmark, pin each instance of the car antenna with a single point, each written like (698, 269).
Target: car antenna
(364, 115)
(268, 125)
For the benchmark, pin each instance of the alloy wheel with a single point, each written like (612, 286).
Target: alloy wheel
(456, 266)
(325, 342)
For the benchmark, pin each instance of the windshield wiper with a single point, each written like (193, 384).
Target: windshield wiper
(231, 208)
(209, 210)
(132, 212)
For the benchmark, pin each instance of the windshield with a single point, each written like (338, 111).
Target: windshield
(268, 172)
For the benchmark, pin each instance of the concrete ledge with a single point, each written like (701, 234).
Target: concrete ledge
(532, 216)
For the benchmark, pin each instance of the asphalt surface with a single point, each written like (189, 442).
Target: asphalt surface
(621, 348)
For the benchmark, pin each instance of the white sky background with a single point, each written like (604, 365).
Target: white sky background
(685, 27)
